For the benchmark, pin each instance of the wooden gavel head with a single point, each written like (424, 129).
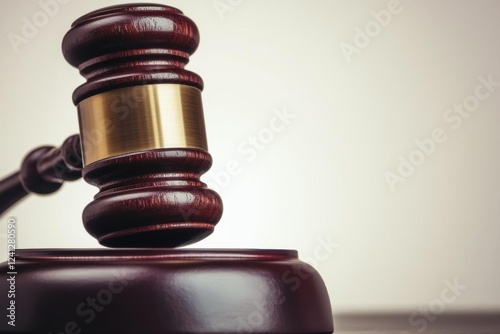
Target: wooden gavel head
(141, 127)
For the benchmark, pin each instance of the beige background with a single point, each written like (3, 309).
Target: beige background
(321, 176)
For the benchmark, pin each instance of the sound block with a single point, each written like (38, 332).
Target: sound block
(146, 291)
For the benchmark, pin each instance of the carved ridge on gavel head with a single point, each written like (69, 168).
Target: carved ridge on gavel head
(141, 127)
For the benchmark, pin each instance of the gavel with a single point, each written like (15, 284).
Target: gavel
(143, 143)
(142, 131)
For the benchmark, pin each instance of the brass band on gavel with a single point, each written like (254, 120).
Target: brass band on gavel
(141, 118)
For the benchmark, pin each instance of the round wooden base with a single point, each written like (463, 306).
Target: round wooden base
(162, 291)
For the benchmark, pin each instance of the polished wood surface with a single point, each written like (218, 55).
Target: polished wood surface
(153, 197)
(149, 198)
(11, 191)
(43, 171)
(162, 291)
(128, 45)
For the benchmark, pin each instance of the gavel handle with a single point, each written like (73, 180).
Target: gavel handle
(42, 172)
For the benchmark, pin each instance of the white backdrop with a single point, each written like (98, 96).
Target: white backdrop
(382, 169)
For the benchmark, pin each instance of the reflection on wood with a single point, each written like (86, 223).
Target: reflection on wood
(413, 321)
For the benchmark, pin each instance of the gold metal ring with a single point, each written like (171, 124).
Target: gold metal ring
(141, 118)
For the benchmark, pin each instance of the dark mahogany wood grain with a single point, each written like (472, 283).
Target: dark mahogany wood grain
(128, 45)
(149, 198)
(152, 199)
(42, 172)
(11, 191)
(166, 292)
